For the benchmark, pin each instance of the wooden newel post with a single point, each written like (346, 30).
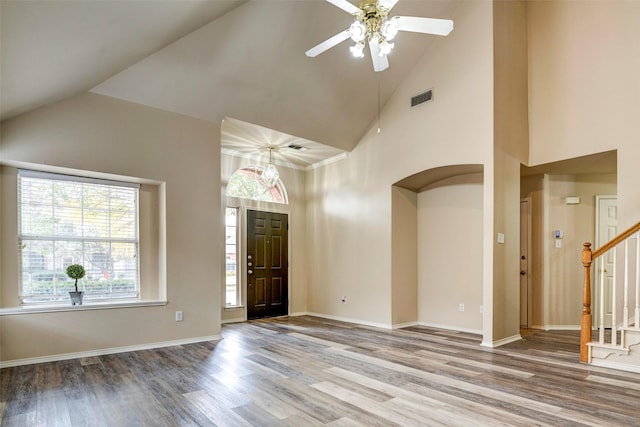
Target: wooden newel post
(585, 324)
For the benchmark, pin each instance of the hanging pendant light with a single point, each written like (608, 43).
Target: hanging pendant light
(270, 174)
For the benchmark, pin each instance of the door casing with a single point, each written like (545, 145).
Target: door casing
(265, 275)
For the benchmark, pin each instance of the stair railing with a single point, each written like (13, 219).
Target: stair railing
(588, 257)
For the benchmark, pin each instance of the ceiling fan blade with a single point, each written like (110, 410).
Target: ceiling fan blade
(345, 5)
(380, 63)
(440, 27)
(387, 4)
(328, 44)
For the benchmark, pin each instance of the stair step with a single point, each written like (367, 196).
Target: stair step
(602, 351)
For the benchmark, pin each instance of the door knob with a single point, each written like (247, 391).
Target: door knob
(523, 257)
(249, 257)
(522, 273)
(249, 271)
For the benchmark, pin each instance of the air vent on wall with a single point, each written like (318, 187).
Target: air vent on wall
(422, 97)
(297, 147)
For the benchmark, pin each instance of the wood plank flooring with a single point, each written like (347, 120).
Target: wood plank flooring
(306, 371)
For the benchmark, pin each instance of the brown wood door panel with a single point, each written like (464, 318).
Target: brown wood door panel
(267, 266)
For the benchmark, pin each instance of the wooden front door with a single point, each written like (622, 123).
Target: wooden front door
(267, 264)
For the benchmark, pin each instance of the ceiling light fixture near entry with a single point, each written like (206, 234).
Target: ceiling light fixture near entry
(270, 174)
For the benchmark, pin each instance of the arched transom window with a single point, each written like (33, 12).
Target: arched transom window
(246, 183)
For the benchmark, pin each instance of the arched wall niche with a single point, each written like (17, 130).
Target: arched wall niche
(437, 236)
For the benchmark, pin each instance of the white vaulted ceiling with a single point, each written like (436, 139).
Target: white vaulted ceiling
(206, 59)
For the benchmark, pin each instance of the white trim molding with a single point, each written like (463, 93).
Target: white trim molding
(104, 351)
(562, 328)
(450, 328)
(403, 325)
(234, 320)
(50, 308)
(345, 319)
(501, 342)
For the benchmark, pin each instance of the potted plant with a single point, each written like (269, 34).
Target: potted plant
(76, 271)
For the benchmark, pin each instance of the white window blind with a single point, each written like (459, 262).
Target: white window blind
(66, 220)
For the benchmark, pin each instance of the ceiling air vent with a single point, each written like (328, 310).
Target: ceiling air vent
(297, 147)
(422, 97)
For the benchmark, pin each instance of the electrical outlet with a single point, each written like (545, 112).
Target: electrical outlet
(178, 316)
(343, 299)
(461, 307)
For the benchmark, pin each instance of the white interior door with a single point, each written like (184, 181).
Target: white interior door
(525, 227)
(606, 229)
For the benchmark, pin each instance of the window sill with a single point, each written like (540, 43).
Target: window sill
(31, 309)
(233, 307)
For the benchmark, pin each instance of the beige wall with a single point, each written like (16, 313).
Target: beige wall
(349, 202)
(404, 256)
(450, 263)
(511, 148)
(566, 274)
(556, 275)
(100, 134)
(294, 181)
(584, 63)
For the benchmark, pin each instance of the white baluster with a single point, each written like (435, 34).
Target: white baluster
(614, 326)
(637, 313)
(601, 284)
(625, 307)
(625, 297)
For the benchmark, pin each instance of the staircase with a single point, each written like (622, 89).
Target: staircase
(615, 343)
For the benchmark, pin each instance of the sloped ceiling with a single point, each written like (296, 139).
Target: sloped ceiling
(207, 59)
(51, 50)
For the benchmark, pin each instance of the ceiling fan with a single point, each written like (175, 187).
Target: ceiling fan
(372, 23)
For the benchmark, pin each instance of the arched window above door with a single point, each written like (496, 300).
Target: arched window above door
(247, 183)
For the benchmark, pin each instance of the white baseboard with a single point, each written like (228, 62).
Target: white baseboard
(350, 320)
(235, 320)
(403, 325)
(103, 351)
(562, 328)
(299, 313)
(502, 341)
(450, 328)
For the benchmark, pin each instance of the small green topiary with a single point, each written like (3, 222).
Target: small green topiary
(75, 271)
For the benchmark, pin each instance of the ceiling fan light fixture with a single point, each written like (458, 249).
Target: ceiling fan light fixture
(386, 48)
(357, 31)
(372, 24)
(357, 50)
(390, 28)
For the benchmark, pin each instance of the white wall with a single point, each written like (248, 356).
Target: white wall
(349, 202)
(100, 134)
(449, 253)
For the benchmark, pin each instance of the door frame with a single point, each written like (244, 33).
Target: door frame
(598, 264)
(528, 200)
(242, 266)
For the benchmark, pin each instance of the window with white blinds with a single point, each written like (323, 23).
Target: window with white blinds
(66, 220)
